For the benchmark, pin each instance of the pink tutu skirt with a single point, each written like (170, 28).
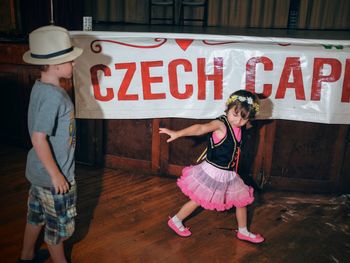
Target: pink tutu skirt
(214, 188)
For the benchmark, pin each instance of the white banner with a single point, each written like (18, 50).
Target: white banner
(155, 75)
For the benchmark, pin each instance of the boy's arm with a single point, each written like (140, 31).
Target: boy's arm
(194, 130)
(43, 150)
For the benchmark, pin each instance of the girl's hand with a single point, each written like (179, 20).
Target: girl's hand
(173, 134)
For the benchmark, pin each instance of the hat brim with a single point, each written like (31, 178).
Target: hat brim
(76, 52)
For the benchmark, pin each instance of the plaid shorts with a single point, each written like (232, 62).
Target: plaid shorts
(55, 211)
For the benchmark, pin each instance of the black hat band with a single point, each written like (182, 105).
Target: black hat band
(56, 54)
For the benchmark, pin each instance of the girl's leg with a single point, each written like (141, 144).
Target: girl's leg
(241, 215)
(31, 234)
(243, 233)
(175, 222)
(186, 210)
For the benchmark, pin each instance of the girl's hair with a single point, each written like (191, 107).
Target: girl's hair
(245, 103)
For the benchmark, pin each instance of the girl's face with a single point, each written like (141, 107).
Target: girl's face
(235, 118)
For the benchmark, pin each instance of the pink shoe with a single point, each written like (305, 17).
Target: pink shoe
(258, 238)
(183, 233)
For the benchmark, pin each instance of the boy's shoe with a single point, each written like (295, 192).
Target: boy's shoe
(25, 261)
(184, 233)
(257, 239)
(39, 256)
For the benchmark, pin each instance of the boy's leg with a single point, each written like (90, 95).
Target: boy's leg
(60, 210)
(57, 253)
(31, 234)
(34, 224)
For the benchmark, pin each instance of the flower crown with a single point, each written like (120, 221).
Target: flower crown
(249, 100)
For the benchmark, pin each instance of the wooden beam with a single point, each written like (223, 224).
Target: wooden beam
(338, 158)
(268, 149)
(155, 158)
(164, 149)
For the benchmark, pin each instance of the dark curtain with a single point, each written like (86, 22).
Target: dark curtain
(36, 13)
(277, 14)
(273, 14)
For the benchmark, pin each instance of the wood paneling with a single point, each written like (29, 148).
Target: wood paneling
(129, 138)
(8, 16)
(304, 150)
(10, 113)
(16, 83)
(345, 173)
(89, 148)
(11, 53)
(308, 152)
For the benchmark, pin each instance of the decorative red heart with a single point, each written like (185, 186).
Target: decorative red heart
(184, 43)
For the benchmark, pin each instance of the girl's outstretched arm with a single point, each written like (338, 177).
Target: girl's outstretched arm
(194, 130)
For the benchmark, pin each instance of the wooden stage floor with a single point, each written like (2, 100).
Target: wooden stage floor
(122, 218)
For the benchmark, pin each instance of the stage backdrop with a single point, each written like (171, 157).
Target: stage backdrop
(153, 75)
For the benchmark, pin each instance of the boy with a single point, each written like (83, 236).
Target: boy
(50, 163)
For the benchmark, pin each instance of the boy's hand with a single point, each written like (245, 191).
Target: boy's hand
(173, 134)
(60, 184)
(43, 150)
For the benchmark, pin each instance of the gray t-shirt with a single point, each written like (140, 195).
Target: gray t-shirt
(51, 111)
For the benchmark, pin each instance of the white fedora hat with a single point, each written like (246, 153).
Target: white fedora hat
(50, 45)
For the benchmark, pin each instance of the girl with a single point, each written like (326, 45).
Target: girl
(214, 183)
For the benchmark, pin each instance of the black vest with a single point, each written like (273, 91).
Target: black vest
(223, 155)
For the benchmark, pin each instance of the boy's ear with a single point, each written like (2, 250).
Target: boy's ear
(52, 67)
